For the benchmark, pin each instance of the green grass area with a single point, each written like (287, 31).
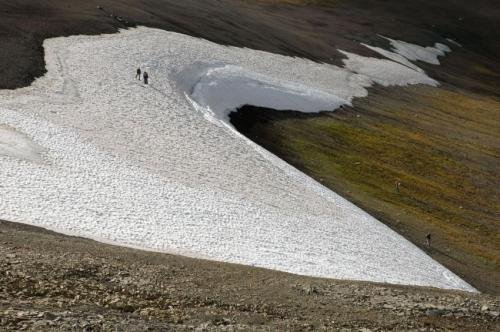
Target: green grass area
(443, 149)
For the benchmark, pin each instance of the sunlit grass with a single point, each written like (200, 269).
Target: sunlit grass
(441, 146)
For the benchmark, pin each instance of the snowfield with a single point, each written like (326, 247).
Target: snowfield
(90, 151)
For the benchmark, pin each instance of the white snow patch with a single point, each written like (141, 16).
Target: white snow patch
(139, 166)
(394, 57)
(385, 72)
(224, 89)
(219, 89)
(454, 42)
(414, 52)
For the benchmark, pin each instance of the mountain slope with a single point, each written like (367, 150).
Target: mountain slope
(316, 32)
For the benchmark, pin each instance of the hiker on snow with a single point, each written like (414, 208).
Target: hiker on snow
(138, 74)
(145, 76)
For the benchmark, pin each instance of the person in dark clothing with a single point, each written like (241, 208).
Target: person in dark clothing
(138, 74)
(145, 76)
(428, 240)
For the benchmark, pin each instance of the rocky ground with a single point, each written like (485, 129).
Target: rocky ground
(50, 281)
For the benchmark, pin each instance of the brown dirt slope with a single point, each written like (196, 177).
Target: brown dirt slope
(54, 282)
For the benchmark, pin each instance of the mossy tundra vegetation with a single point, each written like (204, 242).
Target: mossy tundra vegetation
(421, 159)
(404, 160)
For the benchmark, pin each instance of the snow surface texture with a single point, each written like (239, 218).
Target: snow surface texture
(140, 166)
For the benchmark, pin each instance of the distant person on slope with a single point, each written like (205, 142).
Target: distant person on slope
(428, 240)
(138, 74)
(145, 76)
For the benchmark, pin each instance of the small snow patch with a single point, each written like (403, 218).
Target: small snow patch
(414, 52)
(386, 72)
(394, 57)
(454, 42)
